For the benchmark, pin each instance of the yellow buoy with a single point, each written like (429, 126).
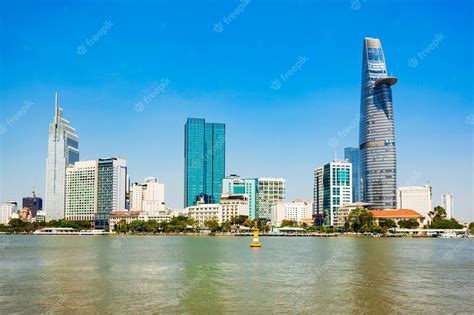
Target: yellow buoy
(255, 241)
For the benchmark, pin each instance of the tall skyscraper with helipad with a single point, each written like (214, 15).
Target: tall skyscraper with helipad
(378, 161)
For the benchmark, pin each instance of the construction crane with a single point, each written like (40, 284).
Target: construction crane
(34, 187)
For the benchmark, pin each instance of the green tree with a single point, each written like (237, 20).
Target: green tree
(471, 227)
(409, 224)
(445, 224)
(121, 227)
(437, 213)
(248, 222)
(386, 224)
(212, 225)
(359, 220)
(289, 223)
(151, 226)
(137, 226)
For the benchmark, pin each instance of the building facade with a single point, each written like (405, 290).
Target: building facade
(332, 190)
(148, 197)
(111, 189)
(353, 156)
(270, 191)
(233, 184)
(34, 204)
(397, 215)
(6, 210)
(233, 206)
(81, 191)
(418, 198)
(204, 161)
(203, 212)
(63, 151)
(122, 216)
(378, 163)
(448, 205)
(297, 210)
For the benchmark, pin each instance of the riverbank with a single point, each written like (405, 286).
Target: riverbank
(273, 235)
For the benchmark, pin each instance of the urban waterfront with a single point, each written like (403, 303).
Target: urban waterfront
(183, 274)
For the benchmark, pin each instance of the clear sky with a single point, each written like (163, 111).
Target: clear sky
(104, 57)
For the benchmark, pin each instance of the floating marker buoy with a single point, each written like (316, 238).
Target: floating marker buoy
(255, 241)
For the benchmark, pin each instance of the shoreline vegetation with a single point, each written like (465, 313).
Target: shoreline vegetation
(359, 223)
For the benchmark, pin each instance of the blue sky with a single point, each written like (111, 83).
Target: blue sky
(225, 75)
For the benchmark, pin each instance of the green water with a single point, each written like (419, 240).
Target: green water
(208, 275)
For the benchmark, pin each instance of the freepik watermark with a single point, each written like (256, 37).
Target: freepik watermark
(155, 92)
(219, 26)
(356, 5)
(10, 121)
(420, 55)
(277, 83)
(342, 134)
(470, 119)
(89, 42)
(415, 176)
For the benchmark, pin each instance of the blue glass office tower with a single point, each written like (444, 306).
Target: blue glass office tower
(204, 161)
(111, 188)
(63, 152)
(378, 163)
(353, 156)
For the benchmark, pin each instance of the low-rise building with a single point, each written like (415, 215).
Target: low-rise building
(161, 216)
(297, 210)
(397, 215)
(40, 216)
(203, 212)
(234, 206)
(345, 210)
(119, 216)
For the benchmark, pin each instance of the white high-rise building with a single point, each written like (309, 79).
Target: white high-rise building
(418, 198)
(270, 191)
(63, 151)
(297, 210)
(6, 210)
(149, 196)
(81, 191)
(332, 190)
(447, 204)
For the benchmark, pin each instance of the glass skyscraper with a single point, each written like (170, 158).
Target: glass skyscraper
(63, 151)
(204, 161)
(378, 164)
(111, 188)
(353, 156)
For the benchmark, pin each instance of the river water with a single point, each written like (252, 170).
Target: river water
(215, 275)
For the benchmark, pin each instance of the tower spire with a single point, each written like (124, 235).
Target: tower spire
(56, 117)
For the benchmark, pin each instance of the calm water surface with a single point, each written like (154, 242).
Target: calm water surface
(158, 274)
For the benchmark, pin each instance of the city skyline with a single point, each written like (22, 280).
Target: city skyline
(281, 118)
